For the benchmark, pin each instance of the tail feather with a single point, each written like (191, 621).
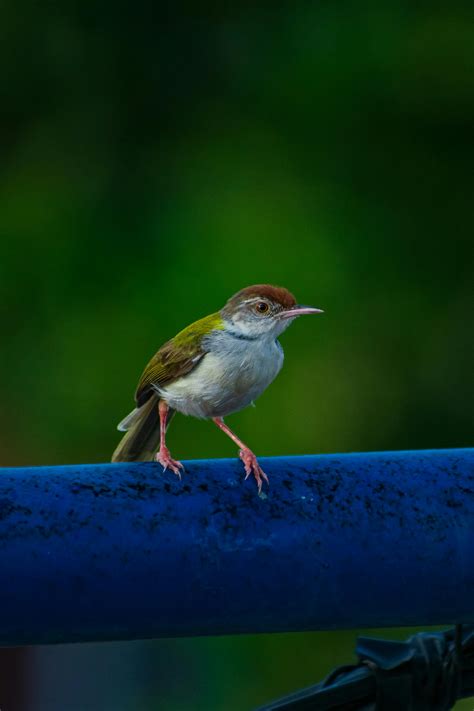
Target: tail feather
(142, 433)
(131, 418)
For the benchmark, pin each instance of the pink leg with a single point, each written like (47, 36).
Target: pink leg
(247, 456)
(163, 455)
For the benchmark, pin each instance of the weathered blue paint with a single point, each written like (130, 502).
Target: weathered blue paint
(122, 551)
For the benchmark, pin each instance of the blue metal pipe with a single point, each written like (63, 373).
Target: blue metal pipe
(123, 551)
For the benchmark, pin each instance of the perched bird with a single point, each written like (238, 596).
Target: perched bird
(216, 366)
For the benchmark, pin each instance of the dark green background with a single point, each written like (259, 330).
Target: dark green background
(154, 160)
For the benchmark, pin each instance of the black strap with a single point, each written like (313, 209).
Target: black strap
(428, 672)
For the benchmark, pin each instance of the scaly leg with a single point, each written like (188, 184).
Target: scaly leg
(163, 456)
(247, 456)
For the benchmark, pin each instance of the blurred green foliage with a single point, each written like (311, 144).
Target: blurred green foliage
(157, 158)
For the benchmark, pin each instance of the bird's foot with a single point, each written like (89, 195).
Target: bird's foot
(252, 466)
(163, 456)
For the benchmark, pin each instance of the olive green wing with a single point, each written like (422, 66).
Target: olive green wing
(165, 367)
(177, 357)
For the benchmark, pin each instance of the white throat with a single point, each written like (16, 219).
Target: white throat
(265, 329)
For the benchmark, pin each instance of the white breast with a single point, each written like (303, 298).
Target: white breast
(228, 378)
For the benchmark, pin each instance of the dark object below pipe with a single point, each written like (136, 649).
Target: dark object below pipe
(428, 672)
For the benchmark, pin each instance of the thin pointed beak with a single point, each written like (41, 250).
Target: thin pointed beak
(299, 310)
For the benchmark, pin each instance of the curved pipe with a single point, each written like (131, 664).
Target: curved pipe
(123, 551)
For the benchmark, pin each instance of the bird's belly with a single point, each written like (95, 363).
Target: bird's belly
(221, 385)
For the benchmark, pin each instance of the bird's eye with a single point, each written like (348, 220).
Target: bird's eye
(262, 307)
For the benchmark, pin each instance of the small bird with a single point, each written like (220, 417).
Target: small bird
(214, 367)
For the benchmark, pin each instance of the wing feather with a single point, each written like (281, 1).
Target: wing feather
(177, 357)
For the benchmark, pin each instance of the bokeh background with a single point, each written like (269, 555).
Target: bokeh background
(157, 158)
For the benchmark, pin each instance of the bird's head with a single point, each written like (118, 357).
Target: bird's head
(263, 310)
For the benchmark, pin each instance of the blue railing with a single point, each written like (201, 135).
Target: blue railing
(119, 551)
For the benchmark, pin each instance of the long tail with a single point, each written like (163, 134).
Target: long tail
(142, 437)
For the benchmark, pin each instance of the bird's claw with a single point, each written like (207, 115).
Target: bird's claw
(166, 461)
(252, 466)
